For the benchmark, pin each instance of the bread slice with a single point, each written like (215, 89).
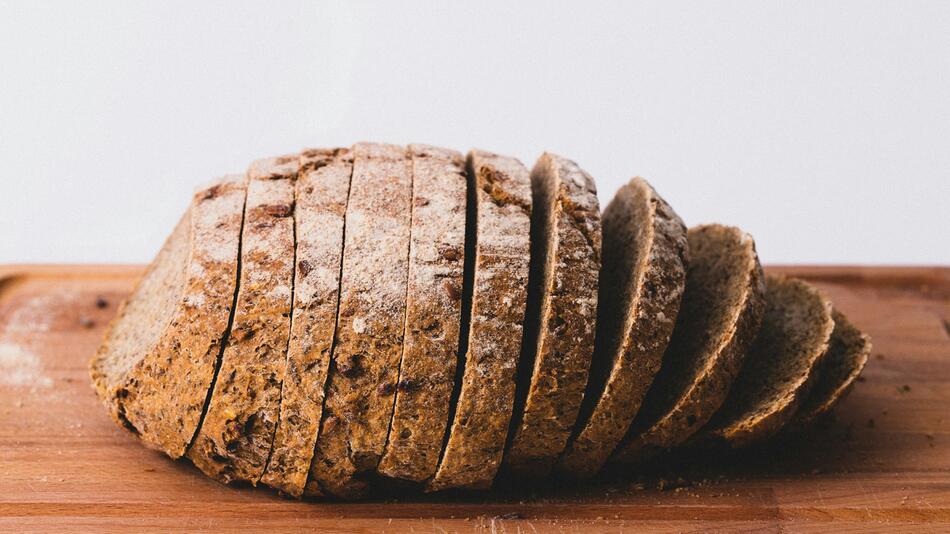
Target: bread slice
(780, 367)
(321, 192)
(235, 437)
(641, 285)
(433, 314)
(561, 317)
(369, 334)
(156, 363)
(498, 250)
(847, 354)
(720, 315)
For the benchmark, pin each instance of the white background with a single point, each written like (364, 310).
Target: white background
(823, 128)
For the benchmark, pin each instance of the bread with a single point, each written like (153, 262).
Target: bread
(641, 285)
(156, 362)
(433, 315)
(719, 317)
(496, 289)
(321, 192)
(562, 307)
(369, 333)
(841, 365)
(235, 436)
(343, 321)
(780, 367)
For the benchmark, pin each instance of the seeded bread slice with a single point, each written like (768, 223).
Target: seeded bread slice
(499, 249)
(433, 312)
(561, 317)
(235, 437)
(780, 367)
(156, 363)
(321, 192)
(365, 361)
(720, 315)
(641, 285)
(847, 354)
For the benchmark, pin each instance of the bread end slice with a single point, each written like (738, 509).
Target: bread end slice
(156, 363)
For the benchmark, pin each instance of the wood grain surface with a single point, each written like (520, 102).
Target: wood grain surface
(882, 463)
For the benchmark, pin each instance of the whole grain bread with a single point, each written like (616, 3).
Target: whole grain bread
(234, 440)
(719, 317)
(321, 193)
(499, 249)
(156, 363)
(561, 317)
(780, 367)
(841, 365)
(433, 314)
(641, 284)
(369, 334)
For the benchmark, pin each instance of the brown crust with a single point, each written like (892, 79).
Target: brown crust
(847, 354)
(235, 437)
(369, 334)
(764, 397)
(642, 280)
(161, 396)
(433, 313)
(321, 193)
(476, 439)
(562, 306)
(706, 351)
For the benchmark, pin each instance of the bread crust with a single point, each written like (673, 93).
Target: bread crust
(321, 192)
(159, 391)
(433, 314)
(369, 334)
(476, 440)
(847, 354)
(641, 285)
(765, 394)
(235, 437)
(706, 350)
(561, 318)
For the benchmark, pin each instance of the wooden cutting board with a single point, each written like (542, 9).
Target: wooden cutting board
(883, 463)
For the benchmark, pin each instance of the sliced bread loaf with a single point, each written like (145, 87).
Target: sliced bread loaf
(718, 320)
(561, 317)
(780, 366)
(156, 363)
(433, 314)
(847, 354)
(497, 256)
(641, 284)
(365, 361)
(321, 193)
(235, 437)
